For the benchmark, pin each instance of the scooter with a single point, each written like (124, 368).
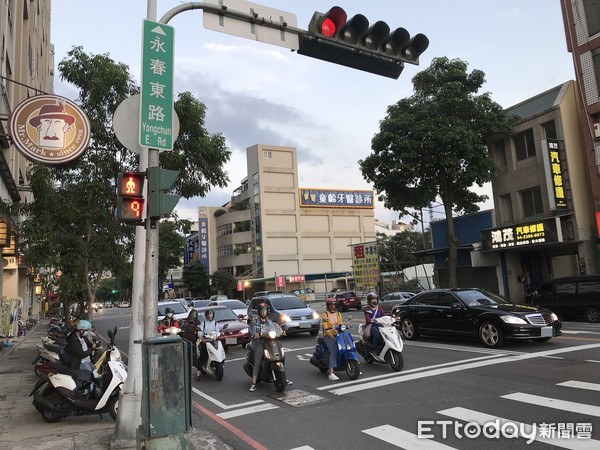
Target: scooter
(272, 366)
(82, 392)
(216, 355)
(390, 349)
(347, 357)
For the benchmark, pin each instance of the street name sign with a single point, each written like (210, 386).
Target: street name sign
(156, 110)
(253, 28)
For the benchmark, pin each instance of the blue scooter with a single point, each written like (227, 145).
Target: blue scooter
(347, 356)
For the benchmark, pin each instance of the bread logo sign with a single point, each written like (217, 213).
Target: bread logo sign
(49, 129)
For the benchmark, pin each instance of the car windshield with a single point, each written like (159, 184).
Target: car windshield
(233, 304)
(177, 308)
(224, 314)
(284, 303)
(479, 298)
(200, 303)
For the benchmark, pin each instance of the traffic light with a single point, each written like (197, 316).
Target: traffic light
(160, 203)
(353, 43)
(130, 201)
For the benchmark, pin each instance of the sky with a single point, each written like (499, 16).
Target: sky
(257, 93)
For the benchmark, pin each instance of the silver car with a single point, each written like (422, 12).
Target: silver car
(388, 301)
(289, 312)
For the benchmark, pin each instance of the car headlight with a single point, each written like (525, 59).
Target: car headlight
(316, 315)
(554, 317)
(285, 318)
(245, 330)
(513, 319)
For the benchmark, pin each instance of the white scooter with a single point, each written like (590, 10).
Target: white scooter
(391, 350)
(216, 354)
(78, 392)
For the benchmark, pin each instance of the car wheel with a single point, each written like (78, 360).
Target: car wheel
(408, 329)
(490, 335)
(592, 315)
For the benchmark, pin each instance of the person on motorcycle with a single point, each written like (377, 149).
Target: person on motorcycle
(208, 325)
(168, 321)
(372, 312)
(329, 320)
(262, 320)
(80, 347)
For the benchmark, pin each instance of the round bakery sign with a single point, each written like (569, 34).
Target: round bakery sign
(50, 129)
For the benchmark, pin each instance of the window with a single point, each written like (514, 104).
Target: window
(506, 211)
(550, 130)
(446, 300)
(268, 155)
(565, 288)
(586, 287)
(525, 145)
(592, 16)
(532, 202)
(224, 229)
(500, 154)
(427, 300)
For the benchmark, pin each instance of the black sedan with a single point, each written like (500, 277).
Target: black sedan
(474, 312)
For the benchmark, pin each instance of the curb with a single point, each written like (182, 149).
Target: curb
(6, 351)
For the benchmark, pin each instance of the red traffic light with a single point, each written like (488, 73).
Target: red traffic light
(332, 22)
(131, 184)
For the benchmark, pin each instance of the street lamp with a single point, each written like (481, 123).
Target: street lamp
(245, 285)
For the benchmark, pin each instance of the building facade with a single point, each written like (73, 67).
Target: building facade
(272, 227)
(26, 69)
(544, 226)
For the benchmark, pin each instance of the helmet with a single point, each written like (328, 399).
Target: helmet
(209, 311)
(330, 301)
(372, 298)
(263, 307)
(168, 310)
(84, 325)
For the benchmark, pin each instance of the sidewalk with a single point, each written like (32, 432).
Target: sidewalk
(22, 427)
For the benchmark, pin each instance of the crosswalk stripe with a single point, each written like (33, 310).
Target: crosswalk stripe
(245, 411)
(403, 439)
(563, 405)
(581, 385)
(469, 415)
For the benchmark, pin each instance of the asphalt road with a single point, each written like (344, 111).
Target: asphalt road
(444, 386)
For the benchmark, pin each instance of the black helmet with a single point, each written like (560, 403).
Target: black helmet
(168, 310)
(263, 307)
(372, 299)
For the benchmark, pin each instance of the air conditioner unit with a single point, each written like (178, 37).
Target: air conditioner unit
(597, 130)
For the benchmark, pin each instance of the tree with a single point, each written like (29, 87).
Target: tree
(71, 224)
(397, 250)
(433, 144)
(109, 290)
(195, 278)
(222, 282)
(170, 247)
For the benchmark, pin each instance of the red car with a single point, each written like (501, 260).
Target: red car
(233, 330)
(346, 300)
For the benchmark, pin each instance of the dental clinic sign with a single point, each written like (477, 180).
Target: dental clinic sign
(531, 233)
(156, 109)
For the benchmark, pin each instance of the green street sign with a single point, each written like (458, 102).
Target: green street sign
(156, 109)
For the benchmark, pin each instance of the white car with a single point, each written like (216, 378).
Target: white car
(180, 312)
(237, 306)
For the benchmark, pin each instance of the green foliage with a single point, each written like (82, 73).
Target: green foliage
(169, 247)
(195, 278)
(105, 290)
(433, 144)
(222, 282)
(397, 251)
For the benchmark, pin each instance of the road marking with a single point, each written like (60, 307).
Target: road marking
(578, 338)
(580, 332)
(458, 348)
(457, 368)
(245, 411)
(222, 405)
(304, 447)
(396, 436)
(592, 361)
(468, 415)
(581, 385)
(563, 405)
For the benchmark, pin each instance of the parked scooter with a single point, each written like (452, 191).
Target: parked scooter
(216, 355)
(347, 357)
(390, 349)
(272, 366)
(83, 392)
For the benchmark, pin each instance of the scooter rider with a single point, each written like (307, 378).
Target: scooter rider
(329, 320)
(80, 347)
(372, 312)
(168, 321)
(255, 331)
(208, 325)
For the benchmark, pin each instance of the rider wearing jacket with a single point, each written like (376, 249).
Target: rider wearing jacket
(80, 347)
(329, 320)
(372, 312)
(208, 325)
(168, 321)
